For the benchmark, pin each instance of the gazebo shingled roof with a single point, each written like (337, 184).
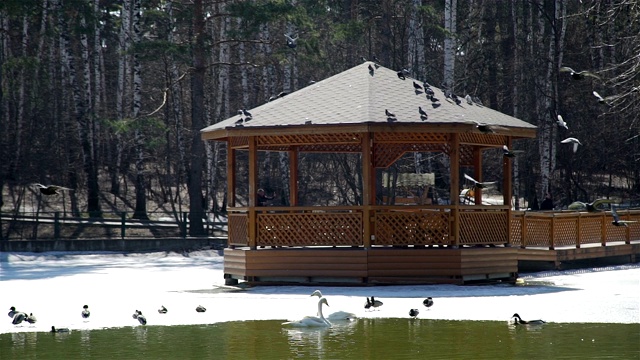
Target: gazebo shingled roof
(355, 97)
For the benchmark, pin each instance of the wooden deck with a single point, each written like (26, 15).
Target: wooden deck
(418, 246)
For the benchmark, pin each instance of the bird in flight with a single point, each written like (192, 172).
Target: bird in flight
(477, 184)
(603, 101)
(509, 153)
(51, 189)
(616, 219)
(578, 75)
(291, 42)
(486, 128)
(590, 207)
(561, 122)
(572, 140)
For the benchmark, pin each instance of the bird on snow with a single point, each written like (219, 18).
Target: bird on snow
(414, 313)
(51, 189)
(578, 75)
(162, 310)
(86, 313)
(12, 312)
(389, 113)
(561, 122)
(428, 302)
(401, 75)
(200, 308)
(477, 184)
(291, 42)
(509, 153)
(372, 303)
(19, 317)
(571, 140)
(417, 86)
(337, 315)
(616, 219)
(141, 318)
(590, 207)
(517, 320)
(31, 319)
(59, 330)
(371, 70)
(477, 100)
(247, 114)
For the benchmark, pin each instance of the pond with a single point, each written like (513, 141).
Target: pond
(360, 339)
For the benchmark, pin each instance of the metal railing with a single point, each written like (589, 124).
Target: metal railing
(113, 225)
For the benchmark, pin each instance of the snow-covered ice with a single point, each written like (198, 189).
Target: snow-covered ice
(55, 286)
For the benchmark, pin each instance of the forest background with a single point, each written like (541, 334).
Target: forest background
(108, 97)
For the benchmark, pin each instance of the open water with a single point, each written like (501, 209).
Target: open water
(361, 339)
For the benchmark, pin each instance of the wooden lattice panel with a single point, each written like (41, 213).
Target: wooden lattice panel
(615, 233)
(466, 155)
(516, 229)
(483, 227)
(238, 225)
(482, 139)
(310, 229)
(538, 232)
(340, 148)
(409, 137)
(306, 139)
(412, 228)
(239, 142)
(565, 231)
(590, 229)
(385, 154)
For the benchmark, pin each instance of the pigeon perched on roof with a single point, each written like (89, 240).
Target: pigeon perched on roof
(401, 75)
(247, 114)
(371, 70)
(561, 122)
(468, 99)
(572, 140)
(417, 86)
(578, 75)
(291, 42)
(423, 114)
(389, 113)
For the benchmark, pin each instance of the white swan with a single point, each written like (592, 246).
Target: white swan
(312, 321)
(338, 315)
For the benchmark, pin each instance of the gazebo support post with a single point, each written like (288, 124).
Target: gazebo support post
(231, 180)
(293, 177)
(253, 187)
(454, 190)
(507, 189)
(477, 174)
(368, 189)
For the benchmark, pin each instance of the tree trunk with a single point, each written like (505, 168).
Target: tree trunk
(450, 10)
(140, 211)
(197, 120)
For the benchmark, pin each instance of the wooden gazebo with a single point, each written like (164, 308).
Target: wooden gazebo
(371, 243)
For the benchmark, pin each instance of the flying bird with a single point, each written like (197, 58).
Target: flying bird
(578, 75)
(428, 302)
(509, 153)
(291, 42)
(478, 184)
(616, 219)
(162, 310)
(574, 141)
(603, 101)
(561, 122)
(51, 189)
(486, 128)
(590, 207)
(86, 313)
(518, 321)
(414, 313)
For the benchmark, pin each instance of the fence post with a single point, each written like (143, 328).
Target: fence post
(56, 225)
(123, 224)
(552, 233)
(183, 226)
(603, 224)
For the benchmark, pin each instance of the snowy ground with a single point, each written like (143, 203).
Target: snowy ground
(55, 286)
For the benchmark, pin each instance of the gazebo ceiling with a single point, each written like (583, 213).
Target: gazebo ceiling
(356, 101)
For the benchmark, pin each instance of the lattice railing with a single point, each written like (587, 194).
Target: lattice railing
(310, 229)
(572, 228)
(483, 227)
(428, 227)
(238, 229)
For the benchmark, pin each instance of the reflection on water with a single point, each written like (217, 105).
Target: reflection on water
(360, 339)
